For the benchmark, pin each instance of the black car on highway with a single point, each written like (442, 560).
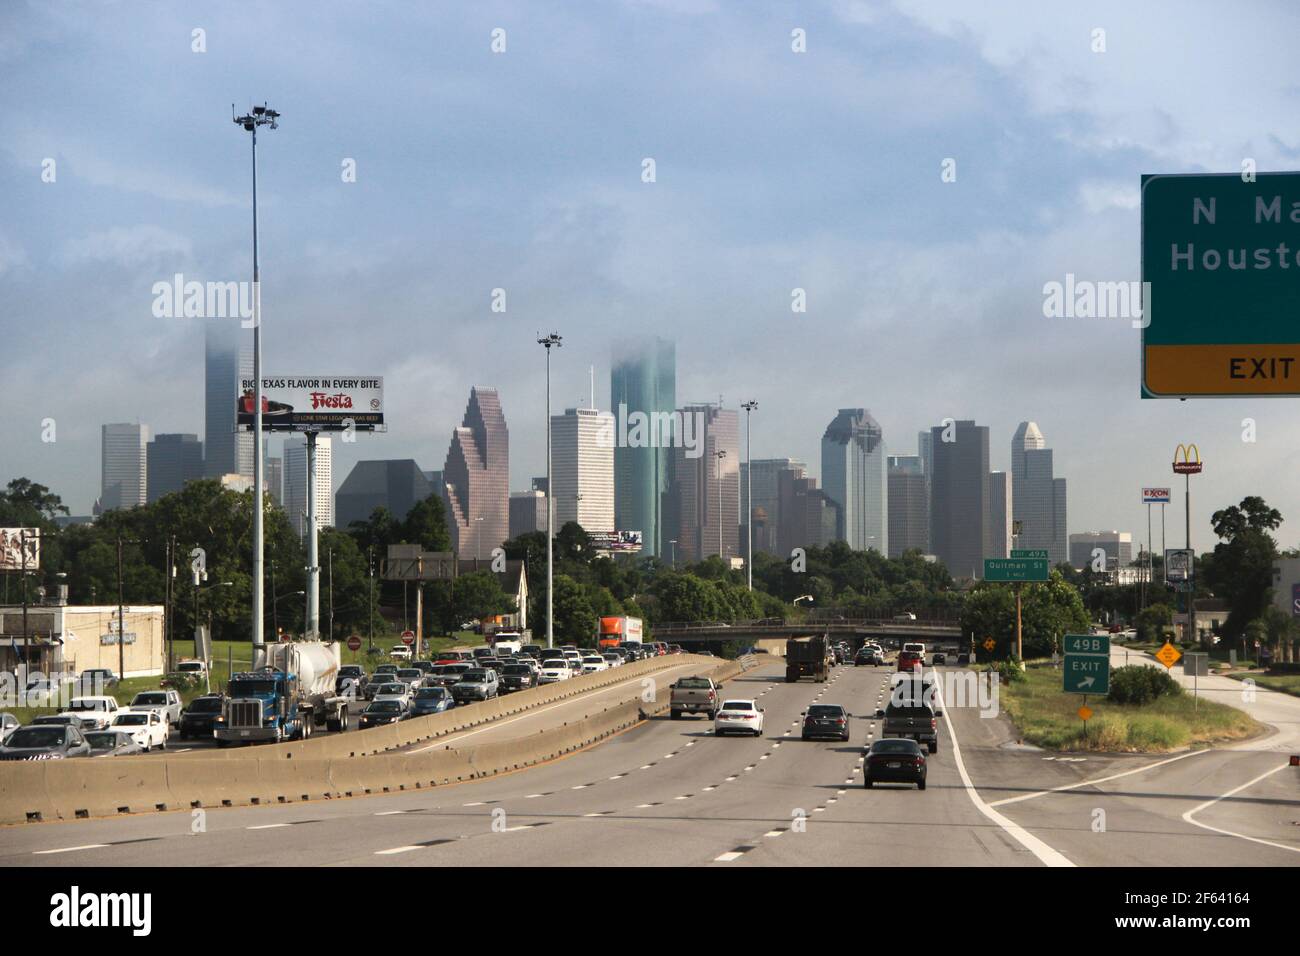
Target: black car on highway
(894, 761)
(380, 712)
(825, 720)
(517, 677)
(200, 717)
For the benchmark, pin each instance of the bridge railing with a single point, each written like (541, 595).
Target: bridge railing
(766, 624)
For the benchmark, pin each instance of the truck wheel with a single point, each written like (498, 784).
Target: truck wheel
(304, 725)
(866, 782)
(675, 715)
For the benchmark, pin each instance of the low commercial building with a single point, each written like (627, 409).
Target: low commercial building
(72, 639)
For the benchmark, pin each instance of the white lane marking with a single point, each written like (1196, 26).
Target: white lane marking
(397, 849)
(1241, 836)
(709, 789)
(582, 697)
(668, 756)
(1096, 780)
(1045, 854)
(644, 806)
(646, 767)
(525, 826)
(618, 776)
(270, 826)
(472, 804)
(687, 797)
(70, 849)
(581, 786)
(534, 796)
(729, 779)
(385, 813)
(727, 857)
(773, 833)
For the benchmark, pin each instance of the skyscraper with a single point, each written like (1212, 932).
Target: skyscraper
(700, 477)
(1001, 507)
(227, 359)
(527, 512)
(396, 484)
(1039, 498)
(767, 498)
(295, 483)
(809, 518)
(959, 498)
(476, 478)
(172, 461)
(124, 467)
(854, 477)
(909, 506)
(643, 381)
(582, 468)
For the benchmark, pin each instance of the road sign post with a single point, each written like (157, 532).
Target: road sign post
(1087, 664)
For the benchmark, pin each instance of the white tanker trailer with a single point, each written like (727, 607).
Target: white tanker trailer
(290, 692)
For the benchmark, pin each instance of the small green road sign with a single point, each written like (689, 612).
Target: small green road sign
(1086, 668)
(1039, 553)
(1015, 569)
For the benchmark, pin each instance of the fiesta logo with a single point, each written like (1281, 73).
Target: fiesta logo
(1191, 460)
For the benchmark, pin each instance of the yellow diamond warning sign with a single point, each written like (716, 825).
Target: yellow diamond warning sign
(1168, 655)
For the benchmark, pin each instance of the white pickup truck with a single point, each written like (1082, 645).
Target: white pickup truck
(95, 713)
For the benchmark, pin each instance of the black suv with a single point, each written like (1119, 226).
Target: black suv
(199, 718)
(825, 720)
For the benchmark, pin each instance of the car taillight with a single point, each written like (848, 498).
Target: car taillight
(934, 724)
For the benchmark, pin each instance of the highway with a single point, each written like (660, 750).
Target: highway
(669, 793)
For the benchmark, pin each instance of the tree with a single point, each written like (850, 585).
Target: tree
(476, 596)
(1048, 611)
(1241, 571)
(1153, 621)
(426, 525)
(26, 504)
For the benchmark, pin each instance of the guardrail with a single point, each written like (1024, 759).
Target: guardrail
(41, 791)
(810, 627)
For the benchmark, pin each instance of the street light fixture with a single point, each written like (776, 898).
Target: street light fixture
(548, 342)
(260, 116)
(749, 495)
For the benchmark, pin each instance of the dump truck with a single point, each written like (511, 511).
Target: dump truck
(291, 691)
(808, 657)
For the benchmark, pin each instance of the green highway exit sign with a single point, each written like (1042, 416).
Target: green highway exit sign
(1015, 569)
(1040, 553)
(1086, 668)
(1220, 285)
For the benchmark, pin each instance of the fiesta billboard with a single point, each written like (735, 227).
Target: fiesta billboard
(330, 403)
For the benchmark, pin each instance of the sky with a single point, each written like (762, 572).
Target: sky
(522, 170)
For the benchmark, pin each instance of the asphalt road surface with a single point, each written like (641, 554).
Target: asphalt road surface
(670, 793)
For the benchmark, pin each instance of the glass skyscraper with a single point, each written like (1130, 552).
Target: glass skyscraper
(854, 476)
(643, 379)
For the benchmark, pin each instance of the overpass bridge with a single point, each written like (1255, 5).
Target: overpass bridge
(889, 633)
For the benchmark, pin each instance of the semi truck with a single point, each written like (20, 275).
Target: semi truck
(619, 630)
(289, 693)
(808, 657)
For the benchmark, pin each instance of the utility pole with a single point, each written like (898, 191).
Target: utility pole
(331, 587)
(720, 454)
(313, 557)
(749, 495)
(259, 116)
(121, 627)
(371, 615)
(548, 342)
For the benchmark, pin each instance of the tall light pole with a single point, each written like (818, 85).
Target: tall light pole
(260, 116)
(749, 495)
(548, 342)
(720, 454)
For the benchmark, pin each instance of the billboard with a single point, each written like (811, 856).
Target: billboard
(325, 403)
(13, 541)
(627, 542)
(1178, 566)
(1155, 496)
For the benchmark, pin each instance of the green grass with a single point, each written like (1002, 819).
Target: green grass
(237, 654)
(1286, 683)
(1046, 717)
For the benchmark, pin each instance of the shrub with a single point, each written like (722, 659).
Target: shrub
(1139, 684)
(1011, 671)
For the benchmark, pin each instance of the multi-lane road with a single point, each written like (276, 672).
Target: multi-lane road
(670, 793)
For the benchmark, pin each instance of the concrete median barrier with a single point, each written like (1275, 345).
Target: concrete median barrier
(324, 768)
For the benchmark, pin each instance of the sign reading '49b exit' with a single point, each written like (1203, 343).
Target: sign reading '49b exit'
(1221, 285)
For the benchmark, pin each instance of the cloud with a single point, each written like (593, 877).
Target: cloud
(129, 247)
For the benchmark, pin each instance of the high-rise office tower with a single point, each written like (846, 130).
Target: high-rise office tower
(124, 466)
(1115, 546)
(809, 518)
(582, 468)
(705, 490)
(854, 477)
(527, 512)
(275, 480)
(1001, 507)
(228, 358)
(395, 484)
(767, 499)
(172, 461)
(1039, 498)
(643, 382)
(476, 477)
(909, 506)
(959, 498)
(295, 483)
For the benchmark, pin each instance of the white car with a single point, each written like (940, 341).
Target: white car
(394, 690)
(400, 652)
(148, 728)
(738, 716)
(552, 672)
(612, 659)
(592, 664)
(95, 713)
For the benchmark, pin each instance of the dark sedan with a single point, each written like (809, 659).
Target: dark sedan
(112, 743)
(825, 720)
(380, 712)
(517, 677)
(431, 700)
(200, 717)
(894, 760)
(45, 742)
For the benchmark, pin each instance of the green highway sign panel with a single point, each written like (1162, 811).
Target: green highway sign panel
(1086, 668)
(1015, 569)
(1038, 553)
(1220, 285)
